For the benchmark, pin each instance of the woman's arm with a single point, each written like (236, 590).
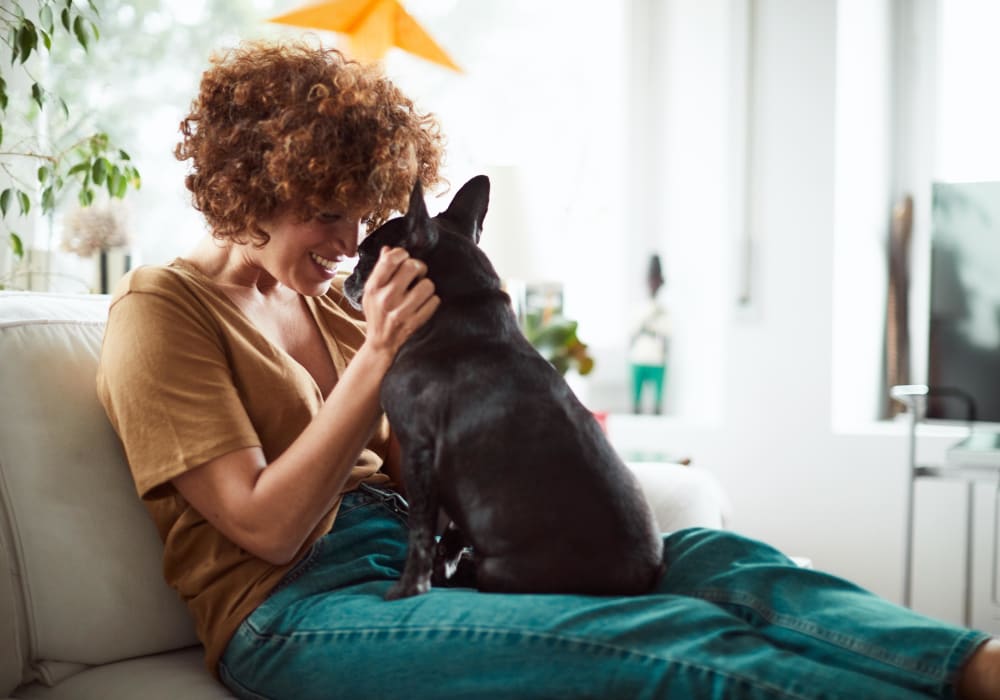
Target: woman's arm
(270, 511)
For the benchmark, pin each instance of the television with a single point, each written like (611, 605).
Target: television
(963, 357)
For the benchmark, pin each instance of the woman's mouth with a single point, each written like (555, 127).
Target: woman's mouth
(330, 266)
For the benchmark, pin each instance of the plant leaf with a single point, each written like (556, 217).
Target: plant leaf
(12, 42)
(80, 30)
(64, 17)
(24, 202)
(99, 171)
(48, 199)
(16, 245)
(45, 17)
(26, 40)
(5, 200)
(37, 94)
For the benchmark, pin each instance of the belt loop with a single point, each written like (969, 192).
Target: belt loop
(389, 498)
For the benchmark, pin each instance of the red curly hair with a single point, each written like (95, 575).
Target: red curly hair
(279, 125)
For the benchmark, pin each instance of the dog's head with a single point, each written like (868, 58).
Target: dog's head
(447, 243)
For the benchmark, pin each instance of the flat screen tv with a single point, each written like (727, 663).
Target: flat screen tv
(964, 333)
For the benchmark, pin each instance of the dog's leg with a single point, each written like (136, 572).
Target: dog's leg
(454, 564)
(421, 489)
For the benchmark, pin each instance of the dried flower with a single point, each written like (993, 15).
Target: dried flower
(99, 227)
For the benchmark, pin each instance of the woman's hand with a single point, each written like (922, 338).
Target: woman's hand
(397, 300)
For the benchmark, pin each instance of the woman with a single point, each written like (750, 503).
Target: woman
(244, 390)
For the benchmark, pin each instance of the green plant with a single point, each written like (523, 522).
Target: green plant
(44, 154)
(555, 338)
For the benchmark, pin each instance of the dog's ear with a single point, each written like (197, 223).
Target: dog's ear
(468, 208)
(421, 233)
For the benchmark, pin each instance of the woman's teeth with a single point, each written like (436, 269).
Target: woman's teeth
(324, 262)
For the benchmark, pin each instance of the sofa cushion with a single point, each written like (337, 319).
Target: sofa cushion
(85, 553)
(172, 676)
(12, 637)
(683, 496)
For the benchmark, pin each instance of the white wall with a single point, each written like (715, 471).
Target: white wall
(795, 481)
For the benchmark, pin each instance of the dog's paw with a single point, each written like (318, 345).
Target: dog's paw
(460, 572)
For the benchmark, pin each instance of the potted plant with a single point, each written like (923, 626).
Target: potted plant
(43, 153)
(554, 336)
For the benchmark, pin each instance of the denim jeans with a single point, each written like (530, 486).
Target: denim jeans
(732, 618)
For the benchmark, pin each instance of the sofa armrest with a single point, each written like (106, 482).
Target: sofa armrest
(683, 496)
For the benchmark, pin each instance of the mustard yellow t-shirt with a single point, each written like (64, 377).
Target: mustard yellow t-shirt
(185, 377)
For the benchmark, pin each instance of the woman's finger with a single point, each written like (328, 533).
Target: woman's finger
(388, 263)
(416, 296)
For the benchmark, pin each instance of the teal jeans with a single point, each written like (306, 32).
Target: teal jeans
(731, 619)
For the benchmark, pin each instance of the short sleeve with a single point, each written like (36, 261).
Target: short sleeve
(167, 387)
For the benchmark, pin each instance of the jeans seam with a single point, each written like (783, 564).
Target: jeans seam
(957, 657)
(296, 572)
(815, 631)
(584, 644)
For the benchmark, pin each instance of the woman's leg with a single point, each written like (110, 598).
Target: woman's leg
(329, 634)
(818, 616)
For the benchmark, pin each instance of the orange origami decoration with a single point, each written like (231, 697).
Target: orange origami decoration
(373, 27)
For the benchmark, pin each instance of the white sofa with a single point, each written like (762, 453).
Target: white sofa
(84, 612)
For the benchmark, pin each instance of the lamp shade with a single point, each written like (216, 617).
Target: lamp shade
(372, 26)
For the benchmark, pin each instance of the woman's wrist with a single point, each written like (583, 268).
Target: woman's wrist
(374, 358)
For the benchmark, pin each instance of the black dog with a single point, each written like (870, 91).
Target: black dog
(492, 435)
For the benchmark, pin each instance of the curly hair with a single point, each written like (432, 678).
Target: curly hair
(279, 125)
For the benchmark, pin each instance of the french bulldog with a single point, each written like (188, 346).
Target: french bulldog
(493, 436)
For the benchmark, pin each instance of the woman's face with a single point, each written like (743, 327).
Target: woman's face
(304, 255)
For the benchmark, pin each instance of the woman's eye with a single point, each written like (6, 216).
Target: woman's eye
(329, 217)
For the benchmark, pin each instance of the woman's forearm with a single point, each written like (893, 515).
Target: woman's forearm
(299, 487)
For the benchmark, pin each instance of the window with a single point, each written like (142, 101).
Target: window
(914, 106)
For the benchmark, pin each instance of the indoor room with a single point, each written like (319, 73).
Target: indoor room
(759, 239)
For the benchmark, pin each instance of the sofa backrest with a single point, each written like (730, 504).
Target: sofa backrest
(81, 581)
